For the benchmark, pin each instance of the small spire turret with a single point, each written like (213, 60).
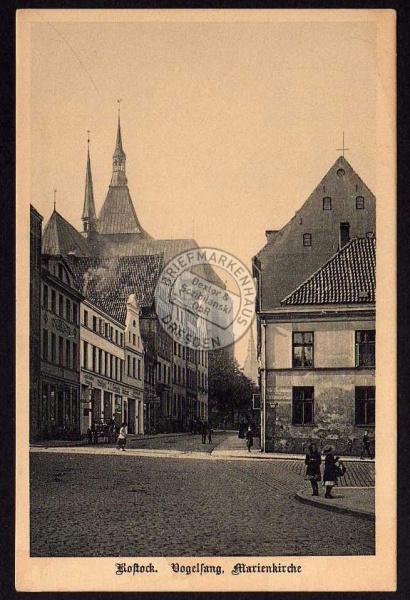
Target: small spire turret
(89, 217)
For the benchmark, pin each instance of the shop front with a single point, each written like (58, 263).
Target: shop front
(60, 409)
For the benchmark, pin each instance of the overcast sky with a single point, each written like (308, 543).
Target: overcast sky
(227, 126)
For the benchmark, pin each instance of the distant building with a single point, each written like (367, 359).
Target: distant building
(251, 366)
(340, 209)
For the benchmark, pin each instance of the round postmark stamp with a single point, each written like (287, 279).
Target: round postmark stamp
(205, 298)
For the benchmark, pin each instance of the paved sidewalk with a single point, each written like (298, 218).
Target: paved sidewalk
(358, 501)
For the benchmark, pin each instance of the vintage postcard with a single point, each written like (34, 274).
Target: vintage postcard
(206, 276)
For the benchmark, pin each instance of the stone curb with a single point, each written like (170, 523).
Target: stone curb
(357, 512)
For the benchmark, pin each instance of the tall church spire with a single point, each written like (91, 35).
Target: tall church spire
(250, 367)
(89, 217)
(118, 159)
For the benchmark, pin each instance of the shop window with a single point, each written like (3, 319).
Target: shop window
(307, 239)
(359, 202)
(365, 348)
(365, 401)
(302, 406)
(302, 350)
(327, 203)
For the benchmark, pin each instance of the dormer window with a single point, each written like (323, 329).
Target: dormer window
(307, 239)
(327, 203)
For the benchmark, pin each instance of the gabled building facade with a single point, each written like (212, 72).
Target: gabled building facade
(59, 408)
(318, 352)
(303, 339)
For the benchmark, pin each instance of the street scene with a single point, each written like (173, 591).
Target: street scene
(202, 289)
(174, 496)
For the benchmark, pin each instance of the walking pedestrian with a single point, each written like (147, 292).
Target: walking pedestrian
(249, 438)
(365, 445)
(313, 462)
(329, 473)
(122, 437)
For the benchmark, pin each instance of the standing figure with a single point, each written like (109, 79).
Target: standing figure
(249, 438)
(210, 432)
(365, 445)
(329, 473)
(203, 432)
(122, 437)
(241, 433)
(313, 462)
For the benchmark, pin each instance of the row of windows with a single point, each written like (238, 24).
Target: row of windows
(327, 203)
(303, 405)
(164, 373)
(59, 351)
(103, 328)
(101, 362)
(303, 349)
(59, 305)
(133, 338)
(193, 356)
(133, 367)
(149, 373)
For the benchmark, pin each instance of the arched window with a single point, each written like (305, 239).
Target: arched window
(307, 239)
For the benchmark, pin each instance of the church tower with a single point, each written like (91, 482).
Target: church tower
(89, 217)
(250, 367)
(117, 216)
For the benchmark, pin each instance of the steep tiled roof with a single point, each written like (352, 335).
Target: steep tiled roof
(348, 277)
(118, 215)
(60, 238)
(108, 282)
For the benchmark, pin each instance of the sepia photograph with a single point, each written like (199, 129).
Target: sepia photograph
(205, 224)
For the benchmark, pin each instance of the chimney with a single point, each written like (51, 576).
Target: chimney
(270, 234)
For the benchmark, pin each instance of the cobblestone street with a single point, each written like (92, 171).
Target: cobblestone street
(122, 504)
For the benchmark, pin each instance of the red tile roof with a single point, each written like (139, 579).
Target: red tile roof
(348, 277)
